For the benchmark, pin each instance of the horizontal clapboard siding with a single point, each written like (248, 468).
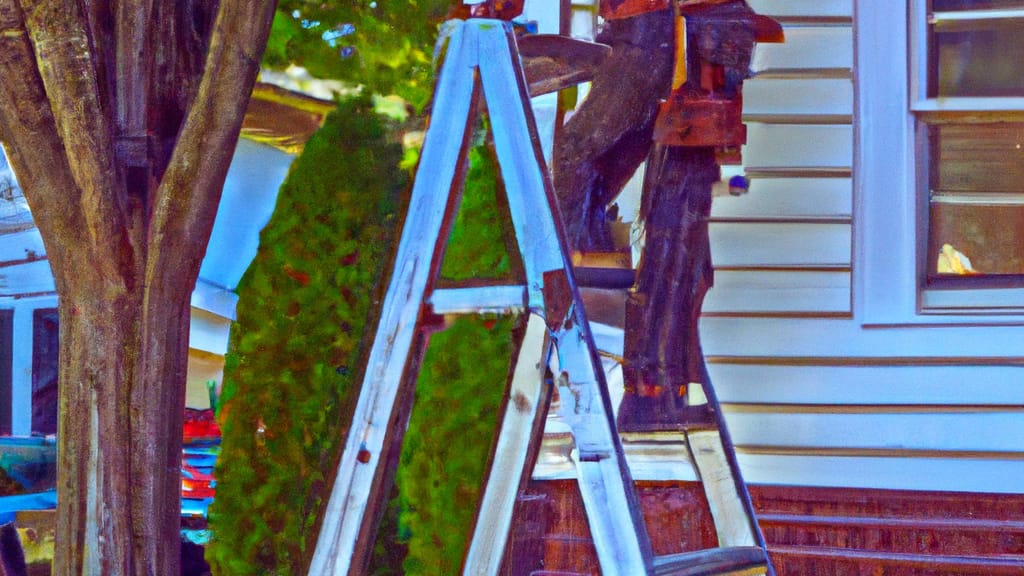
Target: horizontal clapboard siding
(21, 246)
(785, 244)
(932, 473)
(798, 146)
(784, 248)
(30, 277)
(737, 291)
(778, 428)
(812, 49)
(803, 8)
(788, 199)
(798, 340)
(791, 100)
(896, 386)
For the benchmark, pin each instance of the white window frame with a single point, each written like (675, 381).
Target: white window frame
(21, 358)
(889, 212)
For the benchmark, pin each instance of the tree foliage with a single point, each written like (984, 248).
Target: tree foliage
(386, 46)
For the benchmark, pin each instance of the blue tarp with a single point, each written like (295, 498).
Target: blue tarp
(37, 501)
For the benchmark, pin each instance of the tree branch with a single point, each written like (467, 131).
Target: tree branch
(32, 142)
(64, 60)
(132, 66)
(188, 195)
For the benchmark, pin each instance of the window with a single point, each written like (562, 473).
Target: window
(45, 367)
(939, 162)
(967, 95)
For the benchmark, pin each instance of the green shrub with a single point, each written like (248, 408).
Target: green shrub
(301, 329)
(301, 316)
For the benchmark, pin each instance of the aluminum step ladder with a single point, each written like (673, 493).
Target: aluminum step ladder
(481, 54)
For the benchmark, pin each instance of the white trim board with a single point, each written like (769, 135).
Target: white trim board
(803, 8)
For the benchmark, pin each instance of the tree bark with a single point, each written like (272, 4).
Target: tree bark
(124, 187)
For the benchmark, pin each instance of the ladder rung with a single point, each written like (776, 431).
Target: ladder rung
(478, 300)
(734, 561)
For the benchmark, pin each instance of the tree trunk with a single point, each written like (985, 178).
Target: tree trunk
(121, 136)
(598, 150)
(122, 403)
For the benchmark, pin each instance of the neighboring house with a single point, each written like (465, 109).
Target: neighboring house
(277, 124)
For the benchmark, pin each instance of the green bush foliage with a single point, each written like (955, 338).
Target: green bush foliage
(296, 342)
(294, 353)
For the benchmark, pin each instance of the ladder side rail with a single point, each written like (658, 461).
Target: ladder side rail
(729, 450)
(527, 181)
(443, 153)
(518, 440)
(609, 495)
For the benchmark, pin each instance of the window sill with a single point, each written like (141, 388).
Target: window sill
(973, 302)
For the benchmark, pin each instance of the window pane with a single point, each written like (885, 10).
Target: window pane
(976, 239)
(979, 158)
(977, 58)
(977, 199)
(45, 368)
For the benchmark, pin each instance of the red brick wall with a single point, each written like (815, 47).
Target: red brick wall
(826, 531)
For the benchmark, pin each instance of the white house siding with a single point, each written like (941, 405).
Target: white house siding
(814, 395)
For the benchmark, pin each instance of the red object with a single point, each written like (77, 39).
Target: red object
(195, 483)
(700, 120)
(200, 425)
(706, 110)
